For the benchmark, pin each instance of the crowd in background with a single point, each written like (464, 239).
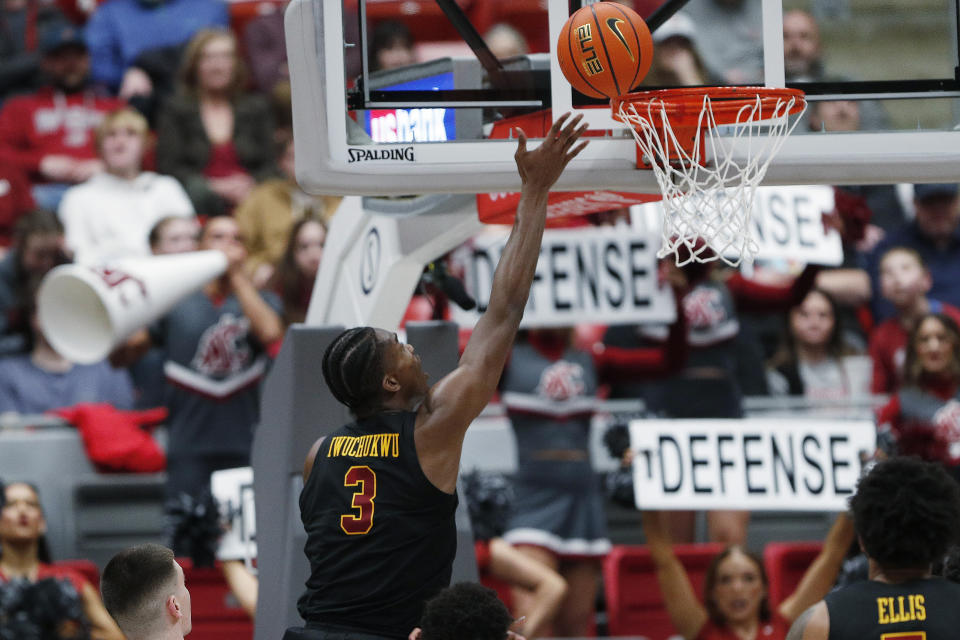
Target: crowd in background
(132, 128)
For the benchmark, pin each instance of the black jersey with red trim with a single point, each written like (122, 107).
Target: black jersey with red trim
(381, 537)
(924, 609)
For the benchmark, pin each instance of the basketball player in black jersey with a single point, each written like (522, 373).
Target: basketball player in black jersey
(907, 515)
(380, 493)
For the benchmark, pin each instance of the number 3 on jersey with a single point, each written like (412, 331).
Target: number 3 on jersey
(905, 635)
(365, 479)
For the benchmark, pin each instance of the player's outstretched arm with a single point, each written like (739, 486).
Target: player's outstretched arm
(813, 624)
(458, 398)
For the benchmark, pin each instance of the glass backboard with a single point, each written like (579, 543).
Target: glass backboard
(880, 77)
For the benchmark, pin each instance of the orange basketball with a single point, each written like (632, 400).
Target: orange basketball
(605, 50)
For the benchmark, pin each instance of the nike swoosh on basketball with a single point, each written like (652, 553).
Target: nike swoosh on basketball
(614, 25)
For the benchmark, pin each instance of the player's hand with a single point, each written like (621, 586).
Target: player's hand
(415, 634)
(540, 168)
(236, 256)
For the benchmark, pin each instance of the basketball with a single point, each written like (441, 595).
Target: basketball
(605, 50)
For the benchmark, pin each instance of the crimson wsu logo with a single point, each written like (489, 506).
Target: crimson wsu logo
(703, 307)
(561, 381)
(223, 348)
(121, 281)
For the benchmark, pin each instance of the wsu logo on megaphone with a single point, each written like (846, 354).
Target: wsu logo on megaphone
(114, 278)
(85, 312)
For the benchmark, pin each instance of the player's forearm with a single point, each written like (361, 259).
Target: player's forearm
(518, 262)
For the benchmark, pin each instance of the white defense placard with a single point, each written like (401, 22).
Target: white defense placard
(777, 464)
(787, 223)
(594, 275)
(233, 491)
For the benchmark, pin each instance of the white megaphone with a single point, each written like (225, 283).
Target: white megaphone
(85, 311)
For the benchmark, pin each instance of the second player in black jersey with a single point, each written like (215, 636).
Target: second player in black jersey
(907, 516)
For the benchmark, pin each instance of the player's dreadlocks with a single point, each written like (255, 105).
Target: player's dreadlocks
(353, 369)
(907, 513)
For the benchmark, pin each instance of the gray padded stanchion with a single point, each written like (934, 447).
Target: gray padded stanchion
(297, 409)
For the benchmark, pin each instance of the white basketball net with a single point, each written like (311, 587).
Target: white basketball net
(708, 205)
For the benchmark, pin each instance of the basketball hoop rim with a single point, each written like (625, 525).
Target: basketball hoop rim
(683, 104)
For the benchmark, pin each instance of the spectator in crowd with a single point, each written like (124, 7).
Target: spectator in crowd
(710, 383)
(549, 388)
(505, 41)
(43, 380)
(272, 208)
(904, 282)
(173, 234)
(907, 517)
(38, 246)
(218, 342)
(923, 418)
(935, 236)
(265, 47)
(297, 270)
(730, 38)
(20, 25)
(24, 555)
(465, 611)
(391, 46)
(882, 199)
(213, 136)
(678, 62)
(803, 62)
(121, 30)
(49, 133)
(489, 505)
(16, 200)
(735, 595)
(144, 590)
(813, 360)
(109, 216)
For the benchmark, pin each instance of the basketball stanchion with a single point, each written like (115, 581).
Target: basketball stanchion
(709, 148)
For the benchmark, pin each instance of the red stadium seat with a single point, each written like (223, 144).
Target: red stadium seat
(786, 563)
(216, 613)
(502, 588)
(634, 604)
(85, 568)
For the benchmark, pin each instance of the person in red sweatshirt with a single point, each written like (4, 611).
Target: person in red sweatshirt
(905, 281)
(923, 418)
(49, 134)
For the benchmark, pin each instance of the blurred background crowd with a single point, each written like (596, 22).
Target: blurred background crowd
(131, 128)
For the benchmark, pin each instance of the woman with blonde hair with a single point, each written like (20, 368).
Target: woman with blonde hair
(110, 215)
(213, 135)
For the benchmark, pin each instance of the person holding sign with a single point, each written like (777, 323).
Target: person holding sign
(907, 516)
(379, 494)
(923, 418)
(708, 386)
(735, 590)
